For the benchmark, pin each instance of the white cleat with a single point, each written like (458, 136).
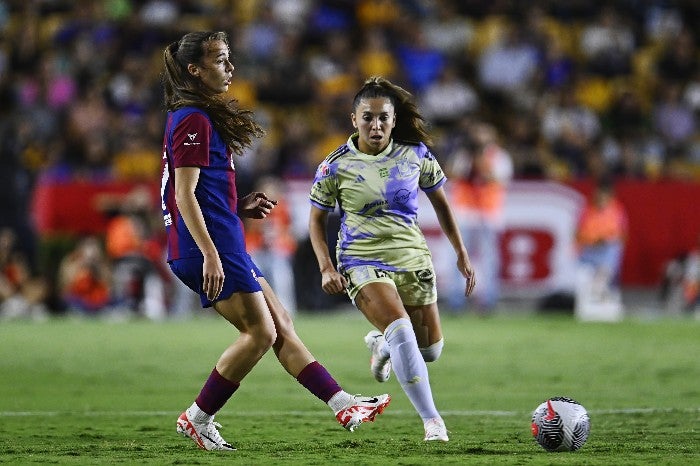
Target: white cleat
(435, 430)
(362, 409)
(379, 366)
(205, 435)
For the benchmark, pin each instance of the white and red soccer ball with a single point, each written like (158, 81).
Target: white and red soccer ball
(560, 424)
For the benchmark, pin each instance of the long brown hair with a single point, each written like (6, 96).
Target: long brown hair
(235, 125)
(410, 124)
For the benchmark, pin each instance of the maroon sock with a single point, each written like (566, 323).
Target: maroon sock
(215, 393)
(318, 381)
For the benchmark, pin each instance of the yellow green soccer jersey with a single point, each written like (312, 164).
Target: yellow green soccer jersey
(378, 200)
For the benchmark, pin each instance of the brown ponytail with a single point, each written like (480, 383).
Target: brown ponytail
(235, 125)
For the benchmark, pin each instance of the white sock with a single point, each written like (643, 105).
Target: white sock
(409, 367)
(340, 400)
(195, 414)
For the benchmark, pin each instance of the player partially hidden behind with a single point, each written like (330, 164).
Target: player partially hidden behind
(206, 247)
(600, 238)
(383, 261)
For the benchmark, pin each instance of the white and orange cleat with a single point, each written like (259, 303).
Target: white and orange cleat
(362, 409)
(205, 435)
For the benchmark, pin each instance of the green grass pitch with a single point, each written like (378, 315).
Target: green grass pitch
(92, 392)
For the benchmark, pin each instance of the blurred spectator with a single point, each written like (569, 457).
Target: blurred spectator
(286, 80)
(292, 15)
(331, 70)
(558, 66)
(673, 119)
(22, 295)
(135, 253)
(138, 159)
(508, 67)
(627, 117)
(662, 21)
(381, 13)
(600, 240)
(624, 159)
(570, 129)
(680, 285)
(272, 244)
(84, 278)
(444, 29)
(530, 158)
(421, 63)
(375, 57)
(293, 153)
(678, 61)
(608, 43)
(481, 175)
(449, 98)
(262, 36)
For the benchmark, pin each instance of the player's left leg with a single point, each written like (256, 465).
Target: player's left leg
(297, 360)
(426, 325)
(382, 306)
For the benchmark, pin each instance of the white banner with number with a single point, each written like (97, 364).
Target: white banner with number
(537, 243)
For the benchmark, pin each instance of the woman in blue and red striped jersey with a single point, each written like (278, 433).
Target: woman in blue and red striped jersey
(206, 245)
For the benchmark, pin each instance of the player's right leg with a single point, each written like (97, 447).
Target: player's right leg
(249, 314)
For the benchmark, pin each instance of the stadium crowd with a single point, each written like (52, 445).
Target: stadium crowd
(574, 89)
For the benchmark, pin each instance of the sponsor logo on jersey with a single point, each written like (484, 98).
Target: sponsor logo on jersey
(192, 137)
(402, 196)
(373, 204)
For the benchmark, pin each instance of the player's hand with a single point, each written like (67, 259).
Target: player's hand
(255, 205)
(465, 268)
(333, 282)
(212, 277)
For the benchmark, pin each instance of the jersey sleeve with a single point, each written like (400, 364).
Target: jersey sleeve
(324, 190)
(431, 174)
(190, 146)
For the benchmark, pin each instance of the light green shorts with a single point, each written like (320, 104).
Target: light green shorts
(415, 288)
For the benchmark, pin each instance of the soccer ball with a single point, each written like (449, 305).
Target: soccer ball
(560, 424)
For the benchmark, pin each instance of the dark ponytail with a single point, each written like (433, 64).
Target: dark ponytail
(410, 124)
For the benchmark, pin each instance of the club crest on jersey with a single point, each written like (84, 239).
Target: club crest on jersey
(404, 167)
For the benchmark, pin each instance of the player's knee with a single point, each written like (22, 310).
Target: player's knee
(262, 337)
(432, 353)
